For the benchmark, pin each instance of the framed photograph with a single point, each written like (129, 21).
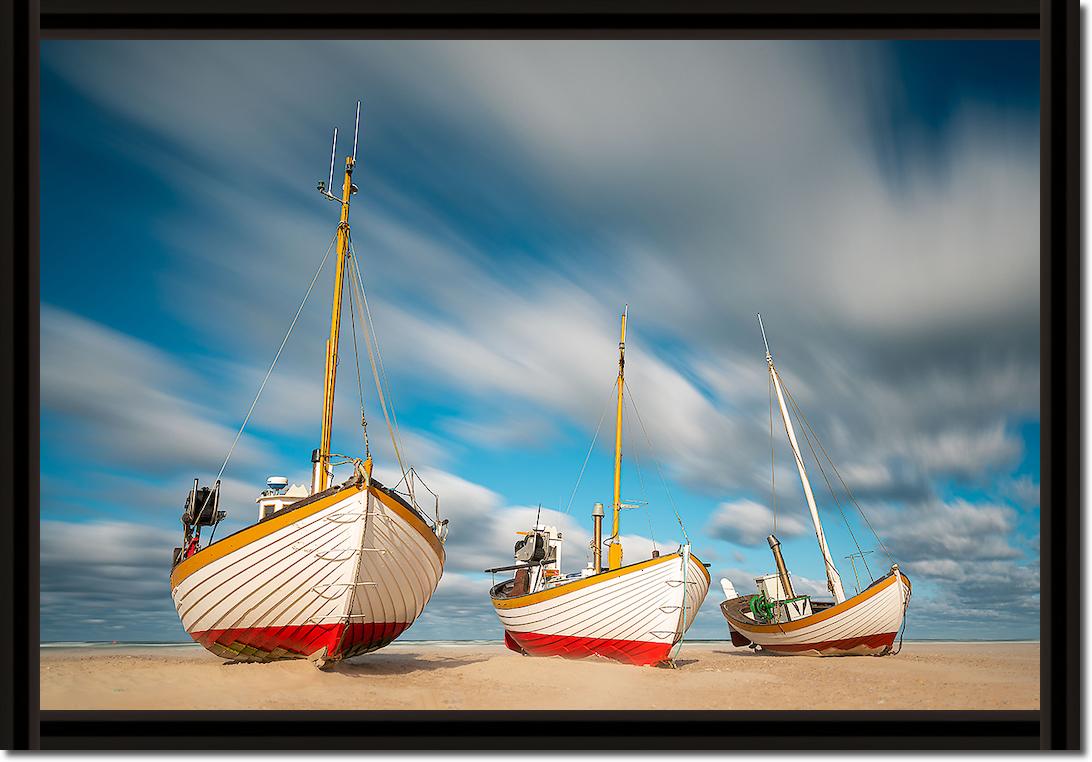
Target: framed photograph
(419, 377)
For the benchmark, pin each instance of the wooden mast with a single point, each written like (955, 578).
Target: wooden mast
(320, 479)
(834, 581)
(322, 463)
(614, 555)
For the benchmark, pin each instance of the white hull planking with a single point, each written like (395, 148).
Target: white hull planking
(864, 624)
(641, 606)
(354, 561)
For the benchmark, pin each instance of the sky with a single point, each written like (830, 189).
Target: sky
(877, 202)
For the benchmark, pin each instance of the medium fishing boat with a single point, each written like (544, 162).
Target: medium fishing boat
(635, 613)
(778, 620)
(329, 572)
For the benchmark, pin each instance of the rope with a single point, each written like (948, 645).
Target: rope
(644, 493)
(395, 431)
(590, 448)
(273, 364)
(828, 562)
(369, 336)
(663, 481)
(356, 358)
(685, 556)
(830, 488)
(424, 484)
(852, 499)
(845, 486)
(905, 608)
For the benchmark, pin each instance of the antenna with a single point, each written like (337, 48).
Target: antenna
(356, 130)
(763, 335)
(333, 150)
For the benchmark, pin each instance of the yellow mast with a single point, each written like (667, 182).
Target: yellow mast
(614, 555)
(321, 477)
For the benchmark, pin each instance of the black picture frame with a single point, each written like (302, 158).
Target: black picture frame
(1055, 726)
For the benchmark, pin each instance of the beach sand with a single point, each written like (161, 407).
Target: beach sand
(433, 676)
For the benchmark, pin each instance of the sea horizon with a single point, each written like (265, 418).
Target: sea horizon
(693, 641)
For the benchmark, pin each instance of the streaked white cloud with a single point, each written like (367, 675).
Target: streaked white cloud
(112, 572)
(124, 398)
(958, 531)
(745, 522)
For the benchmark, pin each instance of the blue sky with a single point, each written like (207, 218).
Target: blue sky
(877, 202)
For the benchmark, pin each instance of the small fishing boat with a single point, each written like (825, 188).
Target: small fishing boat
(635, 613)
(329, 572)
(780, 621)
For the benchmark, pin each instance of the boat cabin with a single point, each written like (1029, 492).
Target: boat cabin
(780, 606)
(279, 496)
(538, 563)
(539, 554)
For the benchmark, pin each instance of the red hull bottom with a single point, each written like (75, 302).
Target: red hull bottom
(868, 644)
(635, 652)
(299, 641)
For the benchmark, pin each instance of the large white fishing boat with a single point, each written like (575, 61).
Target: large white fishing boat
(635, 613)
(780, 621)
(329, 572)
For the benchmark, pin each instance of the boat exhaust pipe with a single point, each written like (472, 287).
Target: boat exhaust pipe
(597, 541)
(316, 470)
(782, 572)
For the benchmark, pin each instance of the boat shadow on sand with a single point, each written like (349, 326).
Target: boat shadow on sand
(372, 665)
(400, 664)
(746, 652)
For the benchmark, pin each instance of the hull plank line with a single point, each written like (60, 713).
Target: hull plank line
(633, 617)
(865, 624)
(309, 585)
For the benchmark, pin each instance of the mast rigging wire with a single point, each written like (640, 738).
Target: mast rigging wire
(663, 481)
(591, 446)
(828, 563)
(369, 340)
(800, 418)
(644, 490)
(356, 358)
(845, 486)
(273, 364)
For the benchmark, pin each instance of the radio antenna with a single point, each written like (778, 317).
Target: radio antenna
(333, 150)
(356, 130)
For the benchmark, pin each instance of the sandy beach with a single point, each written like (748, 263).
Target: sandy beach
(434, 676)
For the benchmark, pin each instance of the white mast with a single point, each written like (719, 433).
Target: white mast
(834, 582)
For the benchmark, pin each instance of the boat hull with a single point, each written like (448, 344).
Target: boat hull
(634, 614)
(337, 575)
(865, 624)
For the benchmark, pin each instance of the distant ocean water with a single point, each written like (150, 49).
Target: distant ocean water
(435, 643)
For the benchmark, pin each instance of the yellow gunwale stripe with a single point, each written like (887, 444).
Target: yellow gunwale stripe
(846, 605)
(553, 592)
(708, 579)
(255, 532)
